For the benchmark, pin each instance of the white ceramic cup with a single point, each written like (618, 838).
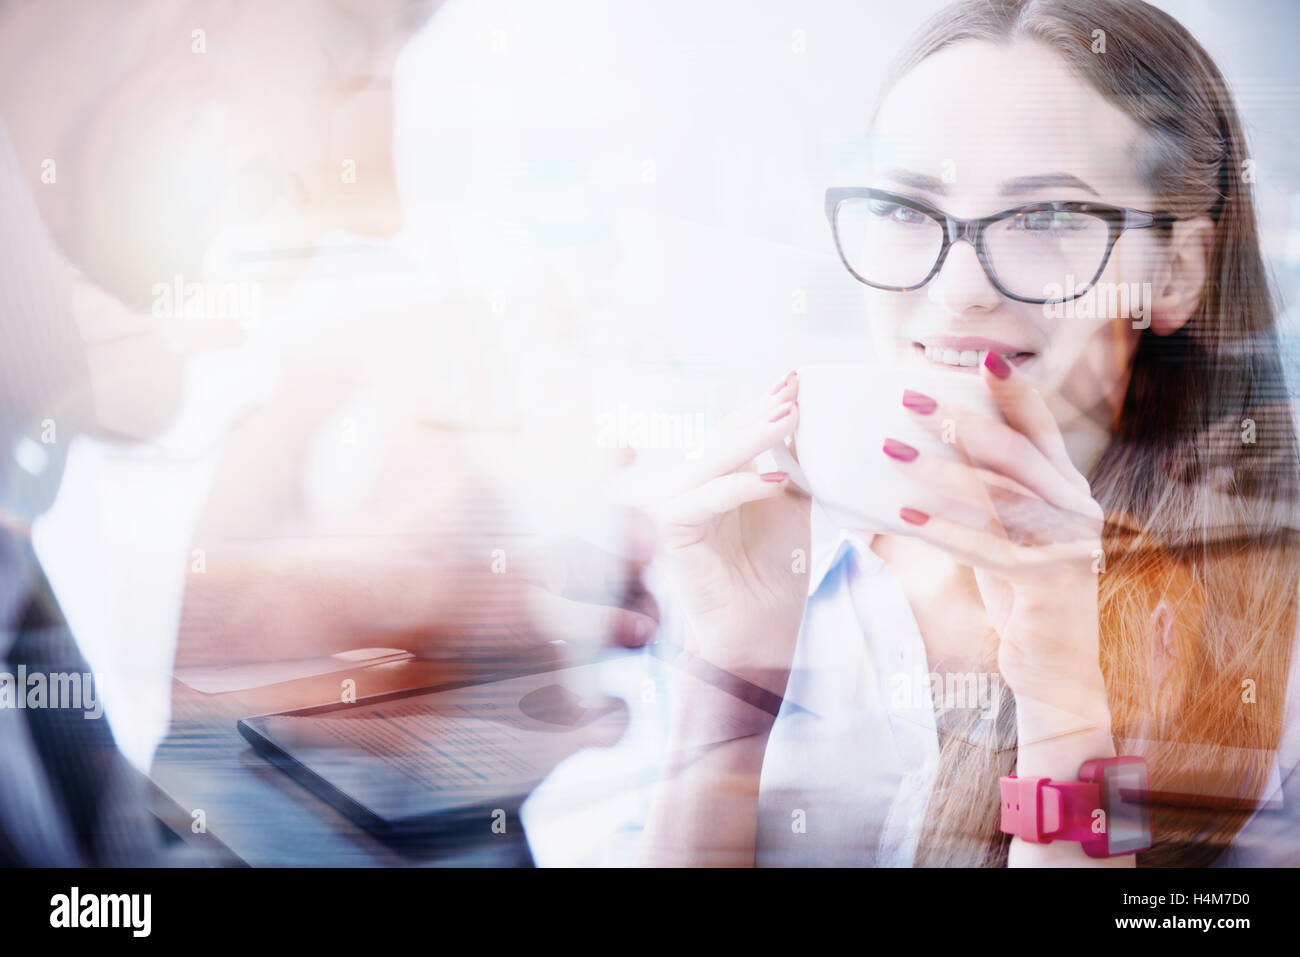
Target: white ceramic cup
(846, 411)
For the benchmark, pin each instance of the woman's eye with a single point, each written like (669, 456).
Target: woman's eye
(895, 213)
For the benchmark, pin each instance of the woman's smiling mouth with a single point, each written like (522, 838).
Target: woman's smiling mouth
(965, 353)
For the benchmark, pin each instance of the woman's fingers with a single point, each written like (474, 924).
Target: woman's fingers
(783, 390)
(987, 500)
(741, 438)
(683, 514)
(1030, 488)
(1026, 412)
(964, 487)
(757, 406)
(1001, 449)
(993, 551)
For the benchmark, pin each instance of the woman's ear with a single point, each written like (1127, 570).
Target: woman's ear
(1180, 280)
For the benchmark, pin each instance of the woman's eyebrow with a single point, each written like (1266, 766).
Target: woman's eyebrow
(906, 177)
(1010, 187)
(1027, 184)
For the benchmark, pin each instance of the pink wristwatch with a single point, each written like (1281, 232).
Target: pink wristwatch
(1106, 810)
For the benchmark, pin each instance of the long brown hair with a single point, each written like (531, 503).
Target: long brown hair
(1199, 482)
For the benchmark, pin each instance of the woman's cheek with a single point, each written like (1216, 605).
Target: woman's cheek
(885, 316)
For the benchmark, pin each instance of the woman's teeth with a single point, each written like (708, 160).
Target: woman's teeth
(951, 357)
(964, 357)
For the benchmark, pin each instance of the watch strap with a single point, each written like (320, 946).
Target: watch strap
(1041, 810)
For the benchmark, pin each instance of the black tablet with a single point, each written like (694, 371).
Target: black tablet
(441, 759)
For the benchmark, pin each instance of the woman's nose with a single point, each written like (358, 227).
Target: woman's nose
(962, 283)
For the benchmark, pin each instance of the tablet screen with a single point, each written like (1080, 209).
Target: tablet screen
(396, 758)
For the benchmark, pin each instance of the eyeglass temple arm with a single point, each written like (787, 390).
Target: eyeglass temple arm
(1137, 219)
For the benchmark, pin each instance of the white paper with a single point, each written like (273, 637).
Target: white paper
(219, 679)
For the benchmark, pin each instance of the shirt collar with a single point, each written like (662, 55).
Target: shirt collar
(830, 543)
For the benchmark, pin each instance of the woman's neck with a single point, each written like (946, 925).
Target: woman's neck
(1086, 444)
(1088, 426)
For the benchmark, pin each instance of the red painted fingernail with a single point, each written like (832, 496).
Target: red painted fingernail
(781, 385)
(913, 516)
(782, 411)
(919, 402)
(899, 450)
(997, 365)
(774, 476)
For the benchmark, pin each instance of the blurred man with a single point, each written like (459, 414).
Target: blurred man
(154, 143)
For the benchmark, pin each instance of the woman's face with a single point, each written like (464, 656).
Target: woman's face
(979, 128)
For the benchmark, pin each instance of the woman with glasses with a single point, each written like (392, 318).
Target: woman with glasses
(1058, 202)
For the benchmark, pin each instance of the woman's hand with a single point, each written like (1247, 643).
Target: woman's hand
(1022, 516)
(733, 539)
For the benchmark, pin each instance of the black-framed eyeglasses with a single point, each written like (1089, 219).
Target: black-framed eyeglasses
(1039, 252)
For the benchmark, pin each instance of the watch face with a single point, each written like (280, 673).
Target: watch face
(1128, 815)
